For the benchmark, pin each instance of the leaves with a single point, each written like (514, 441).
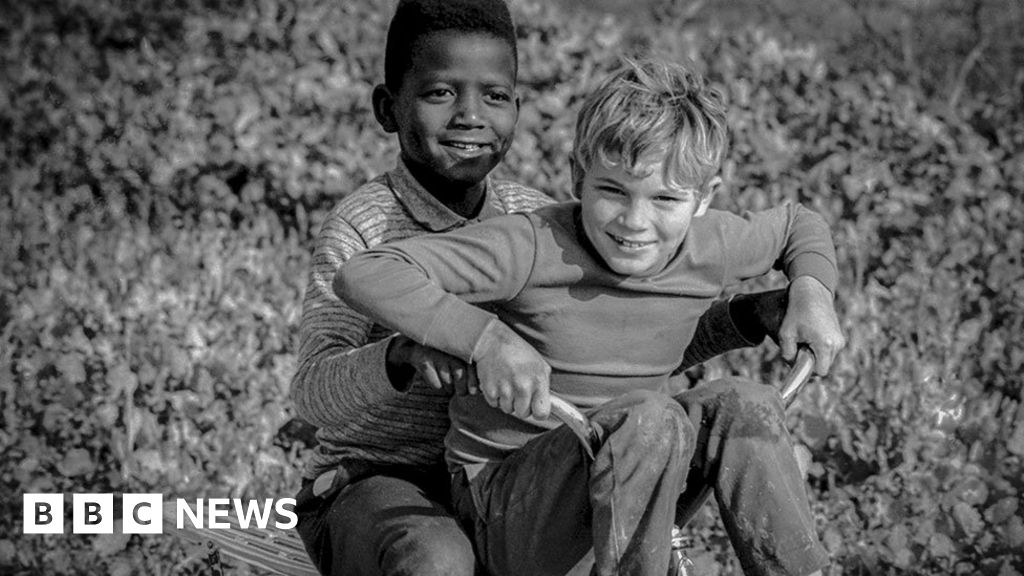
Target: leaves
(107, 545)
(77, 462)
(968, 519)
(168, 169)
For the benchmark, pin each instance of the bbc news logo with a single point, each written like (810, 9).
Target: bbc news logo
(144, 513)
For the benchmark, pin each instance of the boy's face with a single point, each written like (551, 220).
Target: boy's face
(456, 110)
(636, 224)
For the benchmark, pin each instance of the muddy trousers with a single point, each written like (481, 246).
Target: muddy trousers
(542, 509)
(391, 522)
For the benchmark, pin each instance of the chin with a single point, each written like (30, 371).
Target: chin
(628, 268)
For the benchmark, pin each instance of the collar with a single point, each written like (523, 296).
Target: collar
(428, 211)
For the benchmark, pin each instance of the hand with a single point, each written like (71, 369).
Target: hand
(513, 376)
(811, 319)
(441, 371)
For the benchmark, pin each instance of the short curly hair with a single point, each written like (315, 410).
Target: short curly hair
(415, 19)
(652, 111)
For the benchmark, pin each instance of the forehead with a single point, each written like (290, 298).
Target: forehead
(643, 177)
(460, 55)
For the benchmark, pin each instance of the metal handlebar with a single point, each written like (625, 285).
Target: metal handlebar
(798, 375)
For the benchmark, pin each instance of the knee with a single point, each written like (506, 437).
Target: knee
(444, 551)
(751, 409)
(657, 422)
(747, 391)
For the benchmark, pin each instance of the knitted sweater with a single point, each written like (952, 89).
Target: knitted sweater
(602, 333)
(341, 385)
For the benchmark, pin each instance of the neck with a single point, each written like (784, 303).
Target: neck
(462, 199)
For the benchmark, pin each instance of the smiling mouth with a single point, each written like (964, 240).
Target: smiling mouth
(467, 147)
(629, 244)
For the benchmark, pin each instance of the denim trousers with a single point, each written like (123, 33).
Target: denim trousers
(542, 509)
(391, 522)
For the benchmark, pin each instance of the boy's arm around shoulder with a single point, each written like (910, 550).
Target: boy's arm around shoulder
(425, 287)
(340, 375)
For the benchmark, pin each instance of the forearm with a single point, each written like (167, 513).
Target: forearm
(716, 334)
(340, 373)
(739, 322)
(425, 289)
(397, 294)
(341, 369)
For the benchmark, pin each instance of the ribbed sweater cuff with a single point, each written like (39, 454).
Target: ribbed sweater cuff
(716, 334)
(817, 266)
(457, 328)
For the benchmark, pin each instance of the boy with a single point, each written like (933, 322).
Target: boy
(376, 496)
(597, 299)
(375, 499)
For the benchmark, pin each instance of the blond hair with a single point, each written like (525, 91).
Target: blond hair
(652, 111)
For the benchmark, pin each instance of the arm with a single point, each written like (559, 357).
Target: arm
(725, 326)
(811, 318)
(426, 288)
(803, 244)
(340, 373)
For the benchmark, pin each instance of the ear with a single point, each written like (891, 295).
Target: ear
(577, 177)
(384, 108)
(709, 195)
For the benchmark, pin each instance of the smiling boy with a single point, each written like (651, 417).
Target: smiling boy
(596, 300)
(375, 496)
(375, 493)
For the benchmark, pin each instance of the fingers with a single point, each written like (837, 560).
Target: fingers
(472, 382)
(491, 394)
(788, 342)
(825, 352)
(822, 364)
(519, 395)
(442, 371)
(511, 372)
(462, 380)
(429, 375)
(541, 404)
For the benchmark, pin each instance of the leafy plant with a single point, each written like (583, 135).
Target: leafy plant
(166, 165)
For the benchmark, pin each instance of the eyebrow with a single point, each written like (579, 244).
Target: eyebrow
(608, 180)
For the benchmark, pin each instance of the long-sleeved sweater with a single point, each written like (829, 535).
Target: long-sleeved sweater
(341, 385)
(602, 333)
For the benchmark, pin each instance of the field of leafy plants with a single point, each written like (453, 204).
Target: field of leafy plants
(165, 166)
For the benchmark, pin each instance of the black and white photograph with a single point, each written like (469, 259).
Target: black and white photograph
(512, 287)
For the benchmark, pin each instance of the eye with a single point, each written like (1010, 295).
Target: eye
(674, 197)
(610, 191)
(498, 96)
(438, 95)
(668, 199)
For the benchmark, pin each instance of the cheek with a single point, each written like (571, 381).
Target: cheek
(673, 233)
(595, 214)
(504, 126)
(423, 123)
(592, 220)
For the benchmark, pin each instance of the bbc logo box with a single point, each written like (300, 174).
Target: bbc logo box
(93, 513)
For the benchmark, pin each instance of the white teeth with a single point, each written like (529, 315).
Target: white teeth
(464, 146)
(628, 243)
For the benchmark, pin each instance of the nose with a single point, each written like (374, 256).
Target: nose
(468, 112)
(634, 216)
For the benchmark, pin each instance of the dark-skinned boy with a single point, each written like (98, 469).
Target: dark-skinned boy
(375, 499)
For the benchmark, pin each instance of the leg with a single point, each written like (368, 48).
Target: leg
(745, 454)
(384, 526)
(540, 510)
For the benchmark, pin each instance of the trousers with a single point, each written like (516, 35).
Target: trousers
(543, 508)
(393, 522)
